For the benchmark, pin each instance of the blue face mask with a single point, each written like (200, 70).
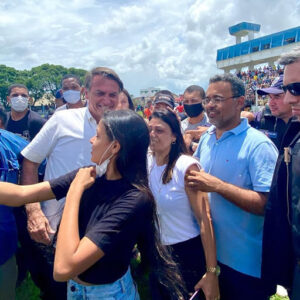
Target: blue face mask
(71, 96)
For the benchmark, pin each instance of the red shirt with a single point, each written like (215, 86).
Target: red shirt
(147, 112)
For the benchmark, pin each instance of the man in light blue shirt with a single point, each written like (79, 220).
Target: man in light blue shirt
(238, 164)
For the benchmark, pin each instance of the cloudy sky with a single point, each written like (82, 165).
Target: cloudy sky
(149, 43)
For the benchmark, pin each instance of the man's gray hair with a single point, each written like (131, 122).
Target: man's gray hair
(237, 85)
(290, 57)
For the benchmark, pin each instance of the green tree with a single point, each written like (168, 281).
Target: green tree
(8, 76)
(40, 81)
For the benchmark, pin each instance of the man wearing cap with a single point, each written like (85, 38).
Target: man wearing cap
(281, 239)
(274, 127)
(164, 99)
(71, 91)
(21, 120)
(64, 141)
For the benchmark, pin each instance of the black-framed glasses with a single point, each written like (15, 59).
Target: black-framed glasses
(216, 99)
(293, 88)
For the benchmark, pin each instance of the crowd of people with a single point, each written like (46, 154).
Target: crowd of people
(257, 79)
(210, 202)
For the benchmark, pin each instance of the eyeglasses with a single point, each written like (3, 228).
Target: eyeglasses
(216, 99)
(293, 88)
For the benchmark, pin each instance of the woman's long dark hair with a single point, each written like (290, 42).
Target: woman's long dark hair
(132, 133)
(130, 102)
(178, 147)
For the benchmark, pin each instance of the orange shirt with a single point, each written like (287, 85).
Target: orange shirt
(147, 112)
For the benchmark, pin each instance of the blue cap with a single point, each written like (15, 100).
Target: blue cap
(275, 88)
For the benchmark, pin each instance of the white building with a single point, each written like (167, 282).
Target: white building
(266, 49)
(149, 92)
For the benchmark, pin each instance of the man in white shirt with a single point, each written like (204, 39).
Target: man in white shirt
(65, 144)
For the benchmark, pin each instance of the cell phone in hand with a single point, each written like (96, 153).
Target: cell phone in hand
(198, 295)
(194, 295)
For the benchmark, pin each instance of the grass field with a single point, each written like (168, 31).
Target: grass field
(27, 290)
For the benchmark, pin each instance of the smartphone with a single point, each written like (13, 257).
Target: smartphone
(198, 295)
(194, 295)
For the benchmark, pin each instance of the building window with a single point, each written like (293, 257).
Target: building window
(289, 40)
(266, 46)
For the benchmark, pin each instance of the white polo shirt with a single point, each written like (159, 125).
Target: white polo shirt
(64, 141)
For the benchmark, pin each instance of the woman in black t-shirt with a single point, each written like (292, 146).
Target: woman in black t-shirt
(105, 215)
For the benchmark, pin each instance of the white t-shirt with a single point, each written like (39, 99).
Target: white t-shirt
(176, 217)
(64, 141)
(63, 107)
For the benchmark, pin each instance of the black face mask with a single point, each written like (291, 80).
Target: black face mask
(193, 110)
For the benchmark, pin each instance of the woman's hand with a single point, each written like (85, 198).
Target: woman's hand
(84, 178)
(210, 285)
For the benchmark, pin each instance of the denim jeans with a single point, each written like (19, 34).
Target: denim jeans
(122, 289)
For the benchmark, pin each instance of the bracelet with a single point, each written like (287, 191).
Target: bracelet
(215, 270)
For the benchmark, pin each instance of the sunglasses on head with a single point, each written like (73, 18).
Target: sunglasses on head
(293, 88)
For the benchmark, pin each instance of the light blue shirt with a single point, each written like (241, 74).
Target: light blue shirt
(244, 157)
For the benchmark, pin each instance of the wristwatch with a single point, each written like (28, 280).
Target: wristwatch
(215, 270)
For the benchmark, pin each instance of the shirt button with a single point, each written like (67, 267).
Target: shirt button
(73, 288)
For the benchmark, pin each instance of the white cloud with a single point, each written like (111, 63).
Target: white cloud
(164, 43)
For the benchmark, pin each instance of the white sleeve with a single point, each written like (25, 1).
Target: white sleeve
(185, 161)
(43, 143)
(182, 164)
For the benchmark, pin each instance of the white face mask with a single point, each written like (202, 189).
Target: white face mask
(71, 96)
(19, 103)
(101, 168)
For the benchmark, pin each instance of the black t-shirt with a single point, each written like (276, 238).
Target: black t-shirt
(278, 245)
(115, 216)
(28, 126)
(274, 128)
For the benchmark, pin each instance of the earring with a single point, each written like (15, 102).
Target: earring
(174, 142)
